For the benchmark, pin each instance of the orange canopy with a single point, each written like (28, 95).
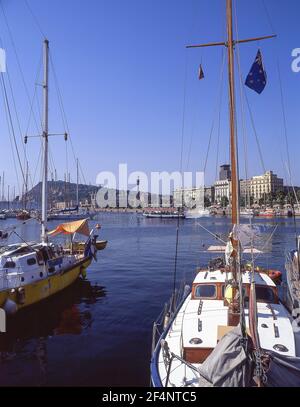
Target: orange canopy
(79, 226)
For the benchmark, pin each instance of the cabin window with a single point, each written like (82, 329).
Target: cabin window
(206, 291)
(40, 258)
(9, 265)
(31, 262)
(45, 254)
(244, 292)
(265, 294)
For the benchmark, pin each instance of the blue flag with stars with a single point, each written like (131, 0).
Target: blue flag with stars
(257, 77)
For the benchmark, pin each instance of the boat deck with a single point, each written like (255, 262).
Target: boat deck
(201, 323)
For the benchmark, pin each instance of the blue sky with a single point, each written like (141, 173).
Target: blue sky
(121, 67)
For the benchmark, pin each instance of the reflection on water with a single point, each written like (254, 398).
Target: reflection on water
(58, 315)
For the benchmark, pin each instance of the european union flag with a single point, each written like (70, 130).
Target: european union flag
(257, 78)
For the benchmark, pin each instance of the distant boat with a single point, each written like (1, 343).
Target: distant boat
(163, 213)
(297, 211)
(23, 215)
(70, 216)
(75, 213)
(267, 213)
(247, 213)
(197, 213)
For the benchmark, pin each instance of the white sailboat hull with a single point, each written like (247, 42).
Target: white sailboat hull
(206, 320)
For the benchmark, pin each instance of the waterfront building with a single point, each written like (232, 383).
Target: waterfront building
(222, 189)
(187, 197)
(225, 173)
(261, 185)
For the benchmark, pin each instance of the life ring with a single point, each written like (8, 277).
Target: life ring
(274, 274)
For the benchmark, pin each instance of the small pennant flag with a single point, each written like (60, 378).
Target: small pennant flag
(200, 73)
(257, 77)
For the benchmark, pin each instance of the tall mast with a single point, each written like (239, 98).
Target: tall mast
(235, 210)
(3, 192)
(45, 143)
(26, 187)
(230, 44)
(77, 186)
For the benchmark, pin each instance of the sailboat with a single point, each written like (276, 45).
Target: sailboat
(71, 214)
(197, 213)
(230, 328)
(293, 279)
(247, 212)
(33, 271)
(24, 214)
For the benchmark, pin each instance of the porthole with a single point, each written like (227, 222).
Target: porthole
(280, 348)
(196, 341)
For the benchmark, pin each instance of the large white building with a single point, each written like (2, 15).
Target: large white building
(189, 197)
(222, 189)
(261, 185)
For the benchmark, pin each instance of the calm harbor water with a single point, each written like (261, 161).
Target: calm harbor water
(98, 332)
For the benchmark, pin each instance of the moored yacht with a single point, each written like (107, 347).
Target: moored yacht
(168, 213)
(230, 328)
(247, 213)
(33, 271)
(267, 213)
(203, 318)
(196, 213)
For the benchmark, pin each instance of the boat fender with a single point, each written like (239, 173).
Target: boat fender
(166, 320)
(228, 296)
(83, 273)
(21, 295)
(10, 307)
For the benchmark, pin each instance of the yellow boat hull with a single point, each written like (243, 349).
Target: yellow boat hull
(38, 291)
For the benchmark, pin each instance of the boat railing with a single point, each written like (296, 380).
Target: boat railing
(181, 331)
(2, 280)
(167, 314)
(162, 325)
(169, 358)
